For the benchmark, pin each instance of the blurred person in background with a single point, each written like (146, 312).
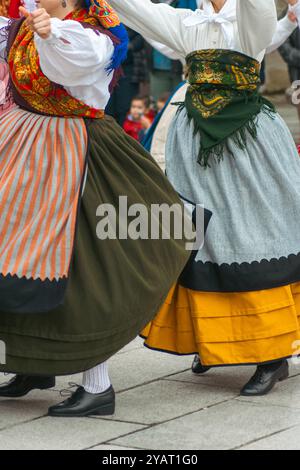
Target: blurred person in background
(137, 121)
(166, 73)
(135, 72)
(290, 50)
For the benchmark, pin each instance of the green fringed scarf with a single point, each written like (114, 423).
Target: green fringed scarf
(223, 100)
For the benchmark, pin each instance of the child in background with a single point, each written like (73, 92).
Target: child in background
(161, 102)
(150, 112)
(137, 123)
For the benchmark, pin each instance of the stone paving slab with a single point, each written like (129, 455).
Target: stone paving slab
(137, 343)
(230, 379)
(111, 447)
(284, 440)
(34, 405)
(164, 400)
(62, 433)
(225, 426)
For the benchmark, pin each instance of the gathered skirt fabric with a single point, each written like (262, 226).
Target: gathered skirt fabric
(237, 301)
(116, 286)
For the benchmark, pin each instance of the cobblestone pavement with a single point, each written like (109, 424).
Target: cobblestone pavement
(161, 405)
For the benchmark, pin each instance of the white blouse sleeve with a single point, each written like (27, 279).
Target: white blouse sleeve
(158, 22)
(257, 21)
(3, 23)
(73, 55)
(285, 27)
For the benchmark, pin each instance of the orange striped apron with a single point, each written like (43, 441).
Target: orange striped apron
(42, 163)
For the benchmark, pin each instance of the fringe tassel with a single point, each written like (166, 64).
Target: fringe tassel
(120, 50)
(239, 137)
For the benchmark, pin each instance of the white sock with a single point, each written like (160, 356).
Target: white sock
(96, 380)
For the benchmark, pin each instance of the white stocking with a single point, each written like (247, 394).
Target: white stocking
(96, 380)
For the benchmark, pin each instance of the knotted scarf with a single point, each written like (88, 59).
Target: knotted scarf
(223, 100)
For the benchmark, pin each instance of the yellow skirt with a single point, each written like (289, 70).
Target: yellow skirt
(228, 328)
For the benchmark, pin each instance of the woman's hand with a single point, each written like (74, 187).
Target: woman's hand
(291, 14)
(38, 21)
(146, 123)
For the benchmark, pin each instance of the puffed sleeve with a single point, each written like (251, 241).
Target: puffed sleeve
(3, 37)
(257, 22)
(158, 22)
(73, 55)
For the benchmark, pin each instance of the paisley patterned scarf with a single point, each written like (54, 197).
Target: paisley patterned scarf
(223, 100)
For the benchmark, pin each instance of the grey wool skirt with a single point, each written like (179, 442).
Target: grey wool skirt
(253, 239)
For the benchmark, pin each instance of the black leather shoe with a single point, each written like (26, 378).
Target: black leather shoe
(265, 378)
(82, 403)
(197, 367)
(20, 385)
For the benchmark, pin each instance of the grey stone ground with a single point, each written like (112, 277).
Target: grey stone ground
(161, 405)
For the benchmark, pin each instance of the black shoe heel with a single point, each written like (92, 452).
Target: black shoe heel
(82, 403)
(49, 384)
(284, 377)
(105, 410)
(265, 378)
(197, 367)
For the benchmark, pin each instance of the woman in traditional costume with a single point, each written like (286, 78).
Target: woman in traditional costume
(69, 300)
(238, 300)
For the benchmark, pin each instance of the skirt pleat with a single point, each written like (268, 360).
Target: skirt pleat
(228, 328)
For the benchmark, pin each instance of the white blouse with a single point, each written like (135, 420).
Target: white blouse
(76, 58)
(285, 27)
(253, 27)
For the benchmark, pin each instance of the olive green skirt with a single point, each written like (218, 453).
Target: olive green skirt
(115, 286)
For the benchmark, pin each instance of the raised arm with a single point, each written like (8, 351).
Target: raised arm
(158, 22)
(257, 22)
(285, 27)
(73, 55)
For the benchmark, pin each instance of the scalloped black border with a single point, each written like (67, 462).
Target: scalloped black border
(243, 277)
